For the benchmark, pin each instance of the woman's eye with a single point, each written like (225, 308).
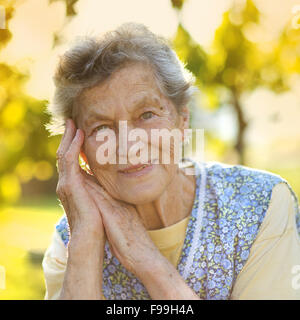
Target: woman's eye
(147, 115)
(103, 126)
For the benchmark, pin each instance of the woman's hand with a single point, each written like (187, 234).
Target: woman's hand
(72, 188)
(92, 213)
(83, 278)
(126, 234)
(132, 246)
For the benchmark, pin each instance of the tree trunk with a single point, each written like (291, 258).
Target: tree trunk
(242, 125)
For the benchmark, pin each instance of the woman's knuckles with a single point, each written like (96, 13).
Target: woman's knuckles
(69, 157)
(59, 155)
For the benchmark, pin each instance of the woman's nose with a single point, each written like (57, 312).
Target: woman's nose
(132, 142)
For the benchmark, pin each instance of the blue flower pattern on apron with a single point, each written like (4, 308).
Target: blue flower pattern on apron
(230, 204)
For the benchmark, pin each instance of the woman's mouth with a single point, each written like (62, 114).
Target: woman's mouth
(137, 170)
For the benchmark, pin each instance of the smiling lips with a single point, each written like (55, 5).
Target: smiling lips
(136, 168)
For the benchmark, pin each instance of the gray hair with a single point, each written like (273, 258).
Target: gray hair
(93, 59)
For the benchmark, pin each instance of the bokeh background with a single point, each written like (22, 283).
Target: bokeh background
(244, 54)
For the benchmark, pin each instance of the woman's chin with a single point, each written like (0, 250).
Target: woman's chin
(145, 189)
(140, 195)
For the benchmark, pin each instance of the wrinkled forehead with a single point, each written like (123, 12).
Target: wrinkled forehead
(125, 87)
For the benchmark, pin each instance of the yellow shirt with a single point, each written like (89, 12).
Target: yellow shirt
(170, 240)
(272, 270)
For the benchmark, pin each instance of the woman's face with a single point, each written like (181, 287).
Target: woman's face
(130, 94)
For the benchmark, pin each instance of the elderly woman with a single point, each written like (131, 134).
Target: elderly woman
(150, 230)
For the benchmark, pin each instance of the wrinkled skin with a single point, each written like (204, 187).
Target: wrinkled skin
(107, 203)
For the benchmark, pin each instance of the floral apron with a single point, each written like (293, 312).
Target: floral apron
(230, 204)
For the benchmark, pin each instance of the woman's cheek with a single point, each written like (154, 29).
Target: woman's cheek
(166, 144)
(101, 149)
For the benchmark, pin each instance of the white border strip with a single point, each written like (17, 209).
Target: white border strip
(198, 225)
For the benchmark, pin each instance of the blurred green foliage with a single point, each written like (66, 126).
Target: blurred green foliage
(70, 6)
(25, 232)
(5, 34)
(235, 64)
(27, 155)
(177, 4)
(26, 152)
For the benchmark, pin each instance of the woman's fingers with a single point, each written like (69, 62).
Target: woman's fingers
(125, 232)
(64, 145)
(104, 197)
(72, 155)
(102, 202)
(82, 212)
(110, 224)
(68, 166)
